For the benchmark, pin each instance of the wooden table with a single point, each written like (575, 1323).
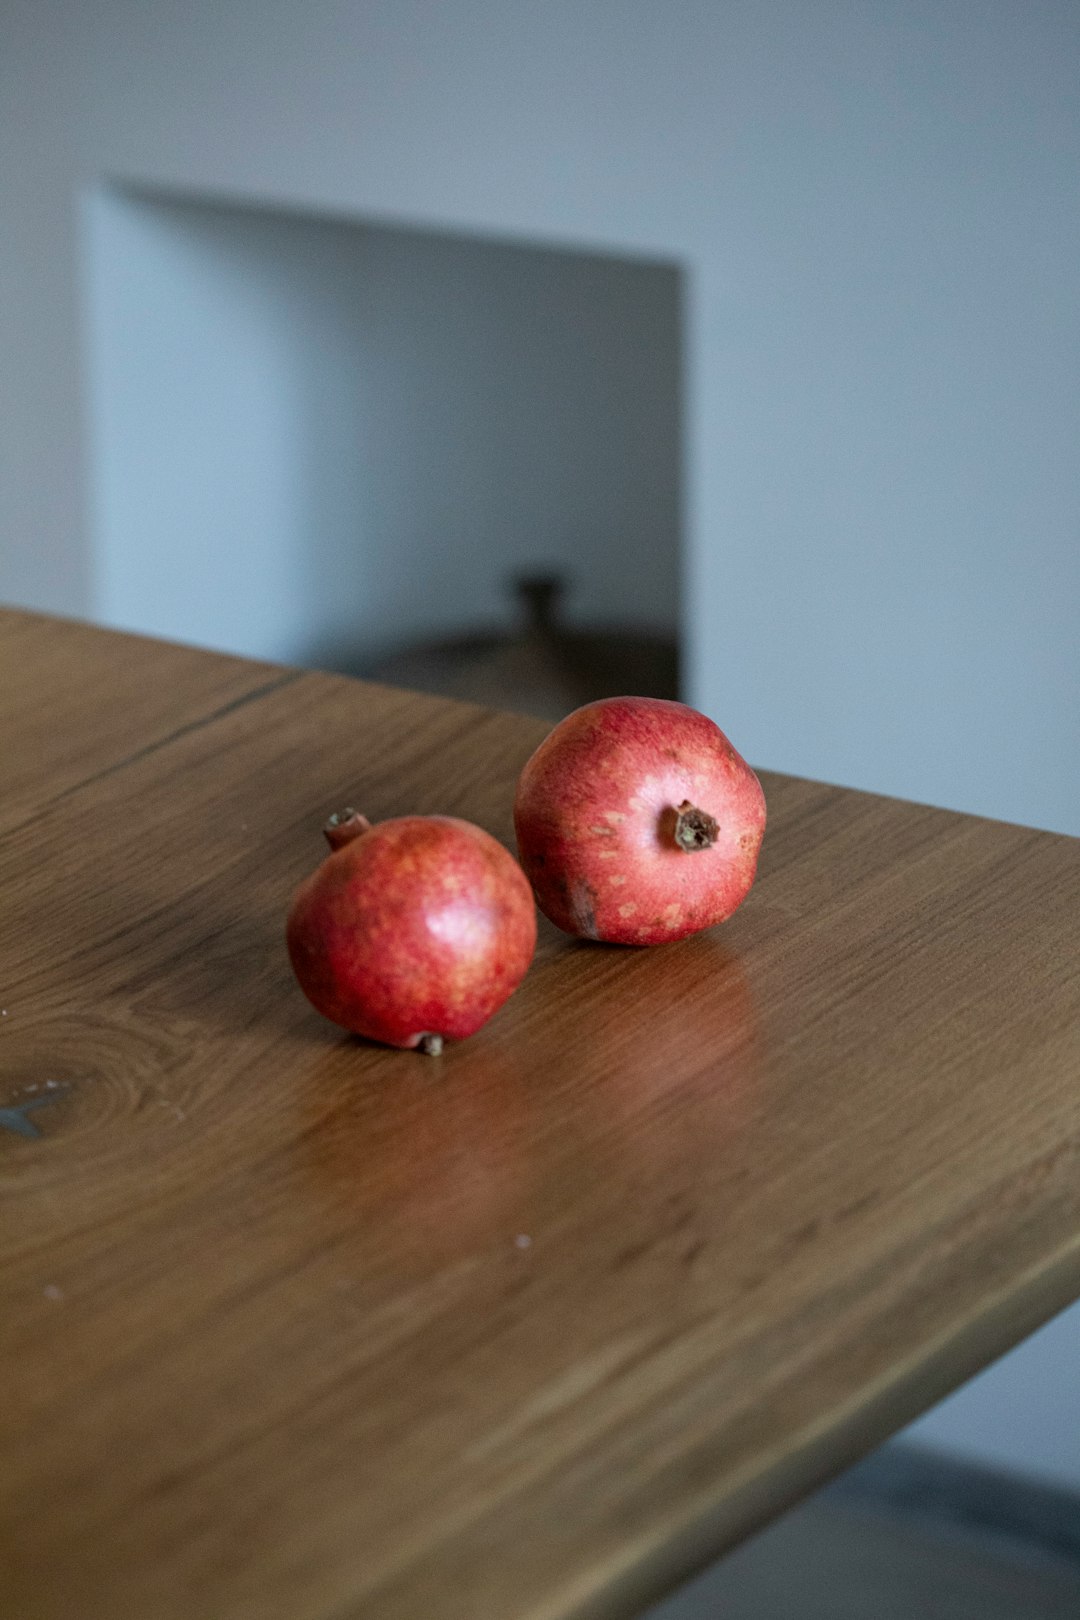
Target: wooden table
(293, 1326)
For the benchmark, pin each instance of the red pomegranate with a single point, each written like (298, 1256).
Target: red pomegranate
(412, 930)
(638, 822)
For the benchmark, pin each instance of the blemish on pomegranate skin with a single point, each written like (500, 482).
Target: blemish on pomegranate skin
(616, 879)
(627, 910)
(603, 832)
(583, 910)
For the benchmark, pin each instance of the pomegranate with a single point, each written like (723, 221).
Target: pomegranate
(637, 822)
(412, 930)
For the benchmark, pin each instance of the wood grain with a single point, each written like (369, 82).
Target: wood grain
(293, 1326)
(74, 703)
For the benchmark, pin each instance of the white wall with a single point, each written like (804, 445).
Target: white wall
(877, 201)
(195, 444)
(315, 440)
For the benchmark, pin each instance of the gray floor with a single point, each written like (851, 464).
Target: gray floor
(905, 1538)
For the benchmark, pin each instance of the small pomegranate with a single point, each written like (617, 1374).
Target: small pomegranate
(412, 930)
(638, 822)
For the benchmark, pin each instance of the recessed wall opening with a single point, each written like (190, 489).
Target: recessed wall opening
(443, 459)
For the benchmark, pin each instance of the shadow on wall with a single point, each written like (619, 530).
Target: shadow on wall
(323, 442)
(542, 666)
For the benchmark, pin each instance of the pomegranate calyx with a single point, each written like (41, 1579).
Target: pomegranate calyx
(345, 825)
(431, 1045)
(694, 828)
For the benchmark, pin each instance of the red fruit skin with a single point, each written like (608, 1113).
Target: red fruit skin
(422, 925)
(595, 813)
